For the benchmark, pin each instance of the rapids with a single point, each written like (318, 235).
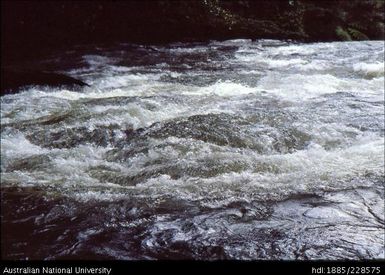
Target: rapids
(224, 150)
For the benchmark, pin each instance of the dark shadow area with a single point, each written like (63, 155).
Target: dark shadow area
(31, 29)
(12, 80)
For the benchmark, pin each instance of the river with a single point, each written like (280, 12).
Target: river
(237, 149)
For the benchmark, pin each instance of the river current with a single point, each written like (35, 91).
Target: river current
(224, 150)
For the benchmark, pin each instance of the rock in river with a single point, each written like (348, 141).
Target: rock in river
(12, 80)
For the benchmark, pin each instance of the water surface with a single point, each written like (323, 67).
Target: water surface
(221, 150)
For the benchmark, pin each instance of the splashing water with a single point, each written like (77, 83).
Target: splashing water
(223, 150)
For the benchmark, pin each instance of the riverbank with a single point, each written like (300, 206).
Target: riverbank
(31, 29)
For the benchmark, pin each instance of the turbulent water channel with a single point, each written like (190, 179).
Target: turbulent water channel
(223, 150)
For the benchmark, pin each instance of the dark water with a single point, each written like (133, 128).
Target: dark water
(224, 150)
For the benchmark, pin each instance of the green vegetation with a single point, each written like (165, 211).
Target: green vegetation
(300, 19)
(342, 34)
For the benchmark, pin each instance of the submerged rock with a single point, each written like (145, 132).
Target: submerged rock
(13, 80)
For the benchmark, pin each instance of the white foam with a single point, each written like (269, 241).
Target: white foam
(308, 170)
(299, 87)
(137, 89)
(314, 65)
(32, 105)
(117, 81)
(294, 49)
(87, 196)
(304, 87)
(14, 145)
(226, 89)
(304, 171)
(276, 63)
(255, 175)
(264, 176)
(144, 113)
(138, 116)
(370, 69)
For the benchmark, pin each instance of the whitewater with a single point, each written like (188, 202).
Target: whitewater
(237, 149)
